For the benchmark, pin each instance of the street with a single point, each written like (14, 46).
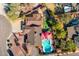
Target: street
(5, 30)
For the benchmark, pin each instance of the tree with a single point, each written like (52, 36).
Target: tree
(51, 22)
(59, 26)
(63, 34)
(58, 32)
(7, 7)
(57, 43)
(49, 18)
(14, 12)
(68, 46)
(45, 25)
(63, 46)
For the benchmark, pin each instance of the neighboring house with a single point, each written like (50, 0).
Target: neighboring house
(77, 29)
(71, 31)
(74, 7)
(76, 40)
(77, 6)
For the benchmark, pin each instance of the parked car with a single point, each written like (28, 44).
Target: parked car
(47, 42)
(47, 46)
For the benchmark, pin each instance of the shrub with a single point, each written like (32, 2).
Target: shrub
(70, 45)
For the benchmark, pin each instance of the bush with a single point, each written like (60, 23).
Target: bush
(59, 26)
(61, 34)
(13, 13)
(63, 46)
(68, 46)
(58, 43)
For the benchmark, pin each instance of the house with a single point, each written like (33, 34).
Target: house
(36, 19)
(33, 35)
(30, 34)
(32, 14)
(33, 27)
